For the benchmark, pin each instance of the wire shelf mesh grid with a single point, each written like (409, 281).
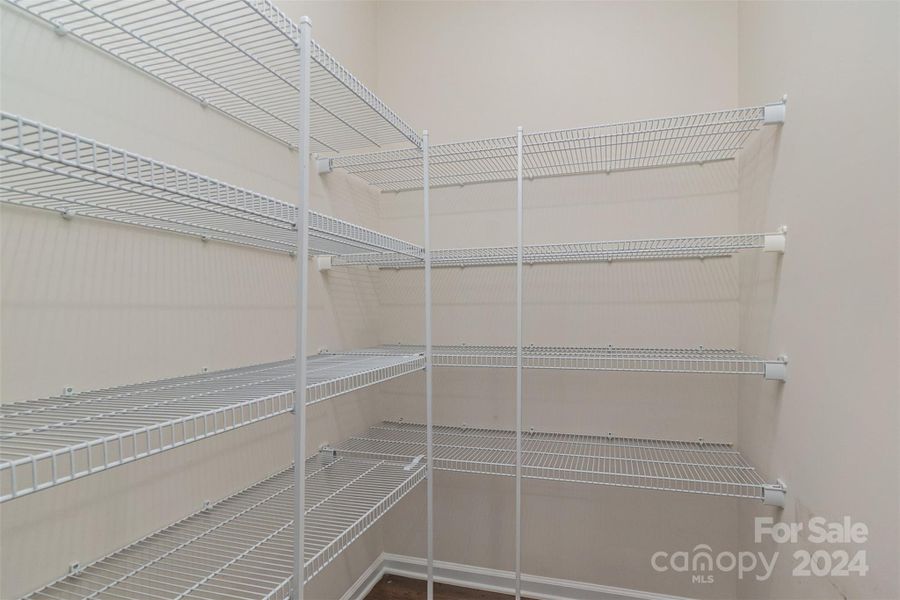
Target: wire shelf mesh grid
(664, 142)
(55, 440)
(44, 167)
(647, 249)
(241, 547)
(236, 56)
(696, 467)
(610, 358)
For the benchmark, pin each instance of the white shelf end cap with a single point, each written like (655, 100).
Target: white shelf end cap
(777, 369)
(323, 165)
(775, 495)
(775, 242)
(323, 263)
(773, 114)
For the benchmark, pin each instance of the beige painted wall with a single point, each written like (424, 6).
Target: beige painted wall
(468, 70)
(832, 306)
(90, 304)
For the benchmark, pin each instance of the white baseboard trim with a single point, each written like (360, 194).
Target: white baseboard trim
(366, 581)
(492, 580)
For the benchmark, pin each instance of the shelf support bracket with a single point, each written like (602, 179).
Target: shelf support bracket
(324, 165)
(324, 263)
(773, 114)
(414, 463)
(775, 494)
(777, 369)
(775, 242)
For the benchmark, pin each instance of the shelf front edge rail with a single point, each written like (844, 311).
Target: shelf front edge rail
(652, 143)
(714, 361)
(678, 466)
(48, 168)
(49, 442)
(237, 57)
(240, 546)
(577, 252)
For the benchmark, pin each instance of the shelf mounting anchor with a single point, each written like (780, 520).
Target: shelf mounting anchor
(777, 369)
(774, 493)
(324, 263)
(414, 462)
(324, 165)
(774, 113)
(775, 242)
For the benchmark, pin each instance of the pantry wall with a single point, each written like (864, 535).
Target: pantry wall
(836, 188)
(832, 304)
(118, 313)
(528, 64)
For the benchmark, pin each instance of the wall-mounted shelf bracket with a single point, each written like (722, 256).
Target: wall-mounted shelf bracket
(323, 165)
(773, 114)
(414, 462)
(774, 494)
(777, 369)
(323, 263)
(328, 450)
(775, 242)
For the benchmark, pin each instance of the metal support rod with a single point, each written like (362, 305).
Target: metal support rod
(304, 50)
(519, 317)
(429, 440)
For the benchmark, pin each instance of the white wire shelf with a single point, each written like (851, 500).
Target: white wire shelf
(44, 167)
(238, 57)
(661, 360)
(48, 442)
(676, 466)
(241, 547)
(664, 142)
(606, 251)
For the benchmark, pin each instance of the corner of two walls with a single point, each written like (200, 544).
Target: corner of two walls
(486, 53)
(831, 302)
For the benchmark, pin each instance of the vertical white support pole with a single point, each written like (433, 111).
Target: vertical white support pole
(520, 218)
(304, 50)
(429, 440)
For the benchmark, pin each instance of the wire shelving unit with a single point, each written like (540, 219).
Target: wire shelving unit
(606, 251)
(235, 56)
(664, 142)
(605, 358)
(241, 546)
(677, 466)
(248, 60)
(44, 167)
(49, 442)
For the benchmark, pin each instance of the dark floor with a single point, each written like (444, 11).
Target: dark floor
(392, 587)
